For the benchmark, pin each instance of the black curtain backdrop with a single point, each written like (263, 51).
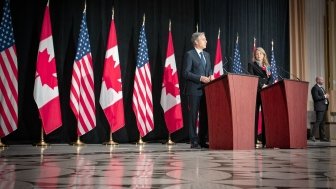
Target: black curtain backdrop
(265, 20)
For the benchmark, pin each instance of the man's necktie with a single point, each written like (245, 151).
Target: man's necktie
(202, 59)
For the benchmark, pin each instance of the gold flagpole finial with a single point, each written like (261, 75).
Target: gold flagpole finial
(143, 19)
(112, 13)
(169, 25)
(272, 44)
(237, 38)
(84, 7)
(218, 33)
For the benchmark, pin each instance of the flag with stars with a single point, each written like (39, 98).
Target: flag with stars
(142, 92)
(237, 67)
(8, 75)
(170, 94)
(46, 85)
(82, 99)
(111, 96)
(274, 69)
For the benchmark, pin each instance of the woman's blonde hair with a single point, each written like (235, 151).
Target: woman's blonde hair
(265, 60)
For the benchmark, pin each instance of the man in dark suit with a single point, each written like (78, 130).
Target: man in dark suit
(321, 102)
(197, 71)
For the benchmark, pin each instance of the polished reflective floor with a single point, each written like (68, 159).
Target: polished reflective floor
(171, 167)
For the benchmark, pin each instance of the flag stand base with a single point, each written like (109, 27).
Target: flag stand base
(140, 142)
(42, 143)
(78, 142)
(2, 145)
(170, 142)
(110, 142)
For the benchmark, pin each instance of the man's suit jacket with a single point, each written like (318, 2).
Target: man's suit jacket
(255, 69)
(193, 70)
(319, 99)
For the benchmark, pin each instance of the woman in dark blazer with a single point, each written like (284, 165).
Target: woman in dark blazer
(261, 68)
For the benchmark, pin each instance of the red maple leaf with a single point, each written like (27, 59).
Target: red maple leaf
(46, 70)
(170, 81)
(114, 76)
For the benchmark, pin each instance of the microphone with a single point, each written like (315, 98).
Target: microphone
(226, 61)
(279, 67)
(244, 70)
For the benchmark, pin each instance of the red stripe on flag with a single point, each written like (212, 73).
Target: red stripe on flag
(84, 98)
(9, 92)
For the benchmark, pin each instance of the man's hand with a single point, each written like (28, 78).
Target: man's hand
(326, 95)
(205, 79)
(211, 77)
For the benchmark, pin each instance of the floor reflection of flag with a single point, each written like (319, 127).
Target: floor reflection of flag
(176, 168)
(113, 173)
(49, 173)
(7, 175)
(142, 177)
(83, 174)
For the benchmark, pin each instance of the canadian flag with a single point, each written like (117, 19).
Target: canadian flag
(170, 95)
(111, 97)
(46, 85)
(218, 66)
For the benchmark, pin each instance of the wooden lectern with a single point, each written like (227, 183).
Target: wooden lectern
(285, 114)
(231, 101)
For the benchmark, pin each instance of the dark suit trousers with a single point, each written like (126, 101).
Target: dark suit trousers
(319, 123)
(197, 104)
(263, 136)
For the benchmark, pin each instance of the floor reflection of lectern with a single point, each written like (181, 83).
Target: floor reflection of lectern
(285, 114)
(231, 101)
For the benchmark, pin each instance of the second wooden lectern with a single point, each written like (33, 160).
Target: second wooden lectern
(285, 114)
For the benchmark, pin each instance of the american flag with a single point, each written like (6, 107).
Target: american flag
(8, 75)
(82, 99)
(274, 69)
(237, 67)
(142, 92)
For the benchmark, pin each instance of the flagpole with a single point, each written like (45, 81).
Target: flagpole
(110, 142)
(170, 142)
(237, 38)
(112, 13)
(42, 143)
(78, 142)
(140, 142)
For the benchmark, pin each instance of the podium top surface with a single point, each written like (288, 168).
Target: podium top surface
(226, 75)
(283, 81)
